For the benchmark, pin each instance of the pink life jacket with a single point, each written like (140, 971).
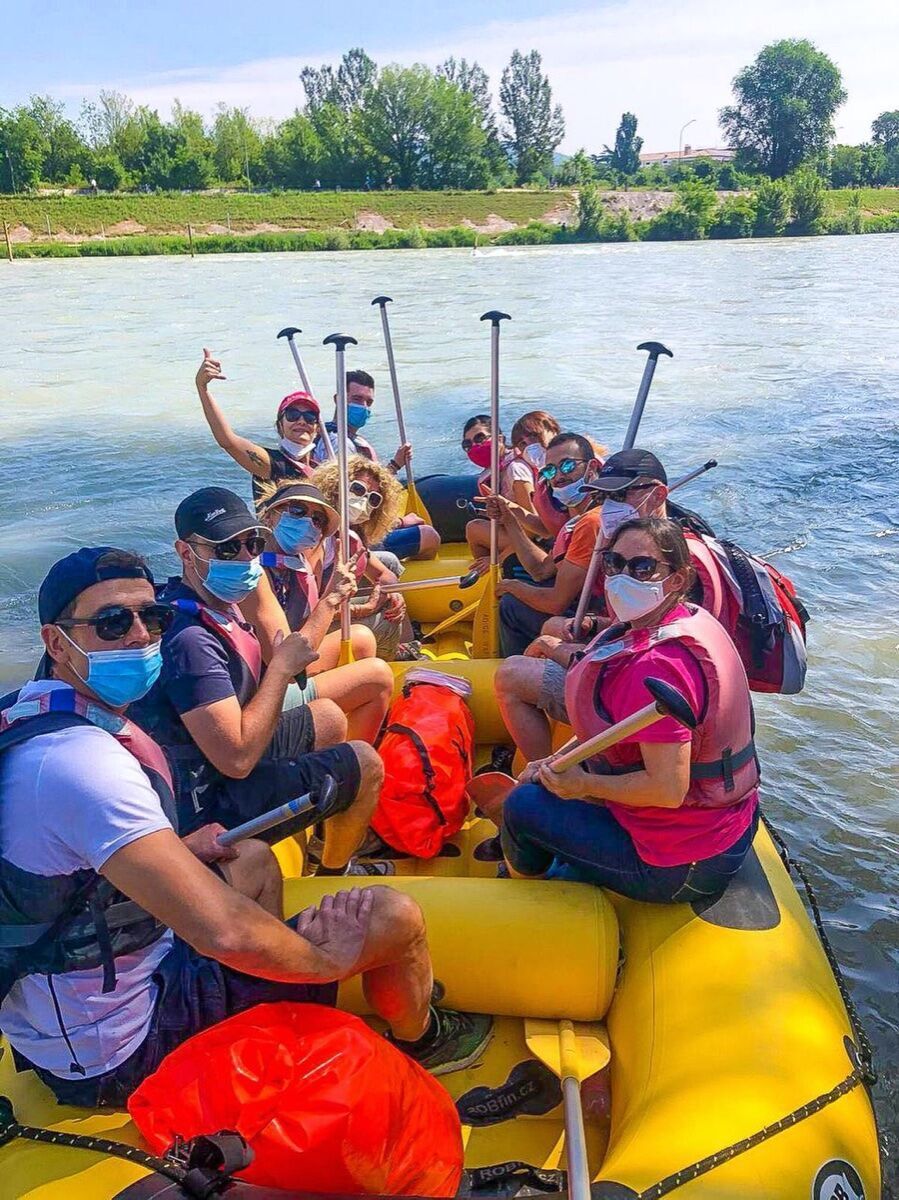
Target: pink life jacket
(553, 515)
(724, 767)
(357, 546)
(231, 629)
(294, 583)
(505, 462)
(150, 756)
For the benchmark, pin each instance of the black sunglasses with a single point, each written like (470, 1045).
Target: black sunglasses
(477, 440)
(114, 622)
(316, 516)
(358, 488)
(641, 566)
(230, 549)
(621, 494)
(300, 414)
(565, 467)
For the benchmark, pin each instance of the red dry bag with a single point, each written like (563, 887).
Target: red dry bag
(325, 1103)
(426, 749)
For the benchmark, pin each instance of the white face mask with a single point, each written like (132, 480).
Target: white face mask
(614, 513)
(535, 454)
(294, 449)
(630, 599)
(358, 510)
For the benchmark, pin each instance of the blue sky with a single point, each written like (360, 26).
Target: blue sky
(670, 61)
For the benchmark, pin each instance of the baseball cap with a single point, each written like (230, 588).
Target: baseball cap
(299, 399)
(215, 514)
(621, 469)
(308, 494)
(75, 573)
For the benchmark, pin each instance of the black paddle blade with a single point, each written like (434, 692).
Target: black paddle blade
(670, 701)
(340, 340)
(495, 316)
(382, 300)
(655, 349)
(289, 331)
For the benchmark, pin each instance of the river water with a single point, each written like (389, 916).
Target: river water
(785, 370)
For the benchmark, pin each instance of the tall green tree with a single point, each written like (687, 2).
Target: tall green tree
(293, 153)
(22, 150)
(785, 105)
(64, 148)
(885, 129)
(473, 79)
(625, 157)
(236, 145)
(534, 125)
(344, 87)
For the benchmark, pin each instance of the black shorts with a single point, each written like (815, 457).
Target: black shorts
(289, 768)
(193, 993)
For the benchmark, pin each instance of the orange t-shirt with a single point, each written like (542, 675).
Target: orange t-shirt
(583, 539)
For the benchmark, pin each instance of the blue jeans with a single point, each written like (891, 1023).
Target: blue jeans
(193, 993)
(582, 842)
(519, 624)
(403, 542)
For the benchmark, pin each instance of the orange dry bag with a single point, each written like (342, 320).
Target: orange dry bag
(326, 1104)
(426, 749)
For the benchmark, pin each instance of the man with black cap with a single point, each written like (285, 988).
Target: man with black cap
(219, 715)
(116, 943)
(530, 683)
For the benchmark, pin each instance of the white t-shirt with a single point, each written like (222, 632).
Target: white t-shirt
(70, 800)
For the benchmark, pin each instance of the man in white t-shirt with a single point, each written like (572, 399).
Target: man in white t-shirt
(116, 941)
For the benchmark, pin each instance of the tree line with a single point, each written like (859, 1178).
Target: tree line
(363, 126)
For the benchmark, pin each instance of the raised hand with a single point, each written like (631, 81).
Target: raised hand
(210, 369)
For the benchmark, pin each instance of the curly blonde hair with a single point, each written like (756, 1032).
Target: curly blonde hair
(373, 531)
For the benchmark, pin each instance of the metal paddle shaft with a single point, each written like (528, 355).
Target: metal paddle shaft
(284, 812)
(595, 557)
(382, 302)
(340, 341)
(575, 1134)
(654, 349)
(667, 702)
(290, 333)
(494, 317)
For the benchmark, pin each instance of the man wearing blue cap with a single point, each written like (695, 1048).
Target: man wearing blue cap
(116, 943)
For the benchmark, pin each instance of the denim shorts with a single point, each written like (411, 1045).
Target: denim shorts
(193, 993)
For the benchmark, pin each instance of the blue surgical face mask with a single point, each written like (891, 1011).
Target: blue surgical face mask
(118, 677)
(357, 415)
(231, 580)
(570, 494)
(295, 534)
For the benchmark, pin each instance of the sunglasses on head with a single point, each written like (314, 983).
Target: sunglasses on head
(565, 467)
(114, 622)
(477, 440)
(641, 566)
(358, 488)
(230, 549)
(315, 515)
(300, 414)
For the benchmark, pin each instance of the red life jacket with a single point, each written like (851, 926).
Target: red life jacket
(724, 768)
(294, 584)
(427, 750)
(758, 607)
(231, 628)
(552, 514)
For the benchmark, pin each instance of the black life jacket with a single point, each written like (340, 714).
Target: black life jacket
(50, 925)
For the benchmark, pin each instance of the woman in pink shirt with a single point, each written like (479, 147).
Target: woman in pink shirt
(669, 813)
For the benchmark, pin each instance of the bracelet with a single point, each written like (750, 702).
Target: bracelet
(394, 466)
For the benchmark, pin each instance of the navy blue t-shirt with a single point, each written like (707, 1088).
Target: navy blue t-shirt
(198, 668)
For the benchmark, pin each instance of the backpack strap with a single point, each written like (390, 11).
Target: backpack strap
(429, 773)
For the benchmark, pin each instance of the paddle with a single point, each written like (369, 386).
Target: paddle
(489, 790)
(414, 502)
(340, 341)
(317, 809)
(485, 630)
(599, 546)
(574, 1052)
(290, 332)
(655, 349)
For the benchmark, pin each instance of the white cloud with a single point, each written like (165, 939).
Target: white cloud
(668, 62)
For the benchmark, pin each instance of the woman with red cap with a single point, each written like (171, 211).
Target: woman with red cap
(297, 426)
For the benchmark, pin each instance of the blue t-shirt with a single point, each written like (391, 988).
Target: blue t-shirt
(198, 669)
